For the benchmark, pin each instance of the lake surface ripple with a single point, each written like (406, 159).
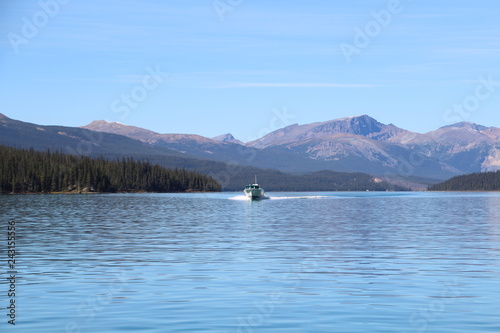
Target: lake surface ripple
(298, 262)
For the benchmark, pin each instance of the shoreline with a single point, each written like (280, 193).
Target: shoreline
(85, 193)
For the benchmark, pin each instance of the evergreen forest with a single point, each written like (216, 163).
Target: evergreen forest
(482, 181)
(30, 171)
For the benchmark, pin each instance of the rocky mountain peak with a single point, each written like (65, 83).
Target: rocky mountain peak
(228, 137)
(360, 125)
(224, 137)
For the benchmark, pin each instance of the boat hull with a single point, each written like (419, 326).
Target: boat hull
(254, 193)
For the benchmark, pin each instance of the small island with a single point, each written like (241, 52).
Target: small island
(30, 171)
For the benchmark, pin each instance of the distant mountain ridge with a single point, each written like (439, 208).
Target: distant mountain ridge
(358, 143)
(231, 175)
(73, 140)
(351, 144)
(363, 125)
(465, 146)
(142, 134)
(458, 148)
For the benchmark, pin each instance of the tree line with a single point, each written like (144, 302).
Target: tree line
(272, 180)
(30, 171)
(482, 181)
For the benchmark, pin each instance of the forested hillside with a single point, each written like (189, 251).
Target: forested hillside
(483, 181)
(273, 180)
(29, 171)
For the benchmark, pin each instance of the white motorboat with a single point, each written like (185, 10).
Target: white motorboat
(254, 191)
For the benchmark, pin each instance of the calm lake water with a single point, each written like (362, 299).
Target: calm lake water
(298, 262)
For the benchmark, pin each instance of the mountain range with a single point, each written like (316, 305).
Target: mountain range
(352, 144)
(360, 144)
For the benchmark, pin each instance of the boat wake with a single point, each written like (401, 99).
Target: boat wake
(299, 197)
(240, 198)
(245, 198)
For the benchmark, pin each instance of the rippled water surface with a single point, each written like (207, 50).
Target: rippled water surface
(298, 262)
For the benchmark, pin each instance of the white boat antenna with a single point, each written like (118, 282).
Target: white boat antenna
(255, 179)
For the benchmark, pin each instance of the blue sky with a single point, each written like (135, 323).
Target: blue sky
(249, 66)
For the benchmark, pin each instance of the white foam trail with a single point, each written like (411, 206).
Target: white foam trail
(302, 197)
(245, 198)
(239, 197)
